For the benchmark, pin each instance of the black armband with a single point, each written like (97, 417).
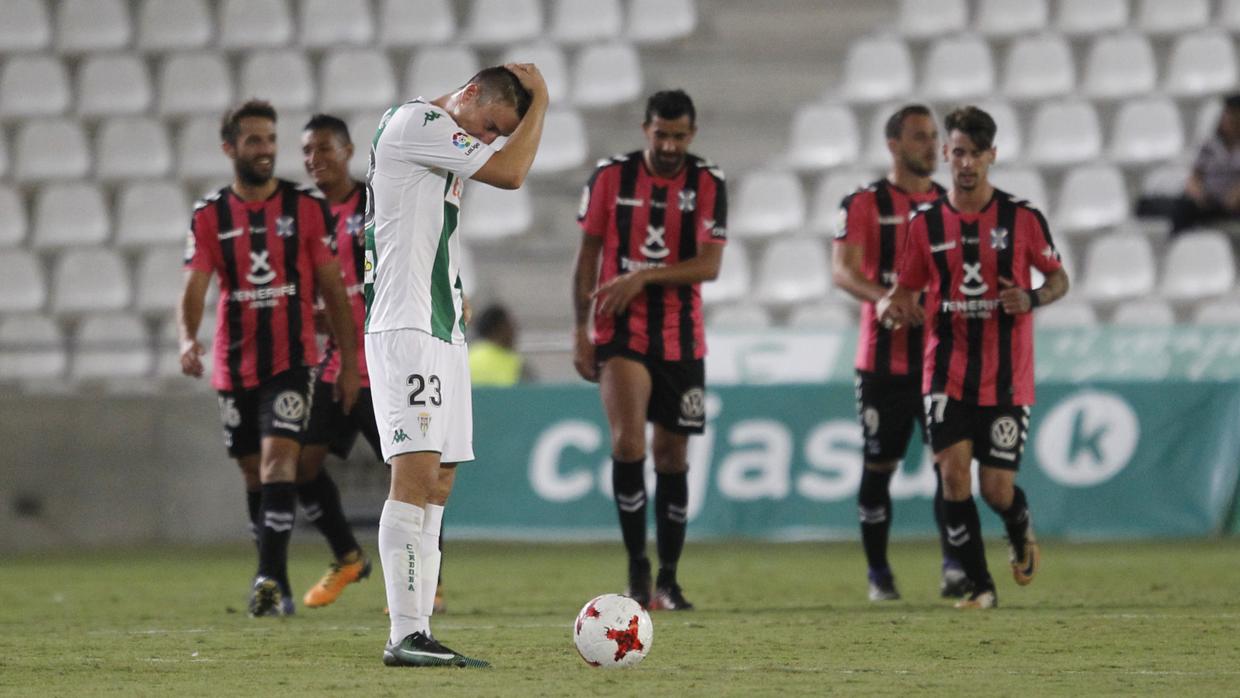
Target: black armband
(1034, 300)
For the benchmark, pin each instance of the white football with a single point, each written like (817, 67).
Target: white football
(613, 630)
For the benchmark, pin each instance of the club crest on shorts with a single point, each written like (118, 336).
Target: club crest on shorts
(1004, 433)
(290, 406)
(424, 422)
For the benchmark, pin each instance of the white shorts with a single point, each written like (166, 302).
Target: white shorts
(421, 392)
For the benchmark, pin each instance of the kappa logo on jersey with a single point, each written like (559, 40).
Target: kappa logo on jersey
(260, 273)
(430, 116)
(973, 283)
(285, 227)
(688, 200)
(399, 436)
(290, 406)
(654, 247)
(998, 238)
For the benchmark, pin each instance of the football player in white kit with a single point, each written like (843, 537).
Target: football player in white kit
(420, 157)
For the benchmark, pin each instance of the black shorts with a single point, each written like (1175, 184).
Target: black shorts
(278, 407)
(677, 389)
(998, 433)
(331, 426)
(888, 407)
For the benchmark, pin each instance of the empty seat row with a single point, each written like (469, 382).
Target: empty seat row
(348, 79)
(78, 214)
(1037, 67)
(91, 280)
(1005, 18)
(79, 26)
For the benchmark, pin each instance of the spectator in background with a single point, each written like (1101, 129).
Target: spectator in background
(1212, 192)
(493, 356)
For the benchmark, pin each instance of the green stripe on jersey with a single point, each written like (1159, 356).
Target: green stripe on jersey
(443, 311)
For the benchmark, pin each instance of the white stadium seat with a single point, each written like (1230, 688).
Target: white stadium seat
(152, 213)
(1077, 17)
(924, 19)
(1091, 197)
(494, 214)
(1229, 15)
(1143, 312)
(1222, 313)
(4, 154)
(1023, 183)
(1119, 266)
(823, 136)
(166, 25)
(36, 85)
(362, 127)
(289, 158)
(12, 218)
(198, 151)
(254, 24)
(89, 280)
(438, 70)
(158, 280)
(739, 316)
(733, 281)
(22, 286)
(281, 77)
(1119, 65)
(1065, 314)
(494, 22)
(584, 21)
(1199, 264)
(355, 79)
(24, 26)
(1011, 18)
(1009, 139)
(958, 68)
(70, 214)
(92, 25)
(116, 345)
(1064, 133)
(660, 20)
(194, 83)
(410, 22)
(567, 147)
(793, 270)
(329, 23)
(1201, 64)
(1165, 180)
(129, 147)
(1162, 17)
(551, 63)
(768, 203)
(605, 75)
(1207, 120)
(51, 149)
(822, 316)
(1039, 67)
(877, 69)
(824, 217)
(1147, 130)
(31, 347)
(113, 84)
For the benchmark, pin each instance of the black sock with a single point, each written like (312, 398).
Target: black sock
(253, 504)
(629, 489)
(964, 530)
(278, 511)
(1016, 518)
(940, 520)
(874, 507)
(321, 501)
(671, 507)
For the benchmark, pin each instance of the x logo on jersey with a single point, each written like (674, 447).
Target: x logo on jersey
(654, 247)
(260, 269)
(973, 274)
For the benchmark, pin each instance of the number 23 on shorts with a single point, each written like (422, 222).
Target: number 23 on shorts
(422, 384)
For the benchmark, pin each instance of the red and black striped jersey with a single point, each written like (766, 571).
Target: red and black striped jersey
(647, 221)
(975, 352)
(350, 243)
(264, 254)
(876, 218)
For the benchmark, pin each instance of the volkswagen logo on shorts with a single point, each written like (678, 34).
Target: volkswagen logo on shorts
(290, 406)
(693, 404)
(1004, 433)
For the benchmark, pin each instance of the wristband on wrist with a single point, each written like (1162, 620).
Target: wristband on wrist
(1034, 301)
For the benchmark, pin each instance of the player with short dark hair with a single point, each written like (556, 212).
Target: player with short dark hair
(265, 240)
(868, 244)
(971, 252)
(654, 225)
(415, 326)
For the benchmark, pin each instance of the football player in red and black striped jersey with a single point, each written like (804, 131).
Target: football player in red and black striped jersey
(266, 241)
(971, 253)
(873, 227)
(654, 224)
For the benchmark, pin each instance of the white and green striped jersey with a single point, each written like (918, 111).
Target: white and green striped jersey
(419, 159)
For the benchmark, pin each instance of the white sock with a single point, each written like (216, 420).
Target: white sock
(400, 535)
(431, 557)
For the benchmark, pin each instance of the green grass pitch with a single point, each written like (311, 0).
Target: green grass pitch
(772, 619)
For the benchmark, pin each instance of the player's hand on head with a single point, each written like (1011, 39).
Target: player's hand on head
(1015, 300)
(191, 358)
(529, 76)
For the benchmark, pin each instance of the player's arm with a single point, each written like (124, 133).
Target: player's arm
(615, 295)
(847, 273)
(900, 305)
(585, 274)
(508, 167)
(340, 319)
(1018, 300)
(189, 317)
